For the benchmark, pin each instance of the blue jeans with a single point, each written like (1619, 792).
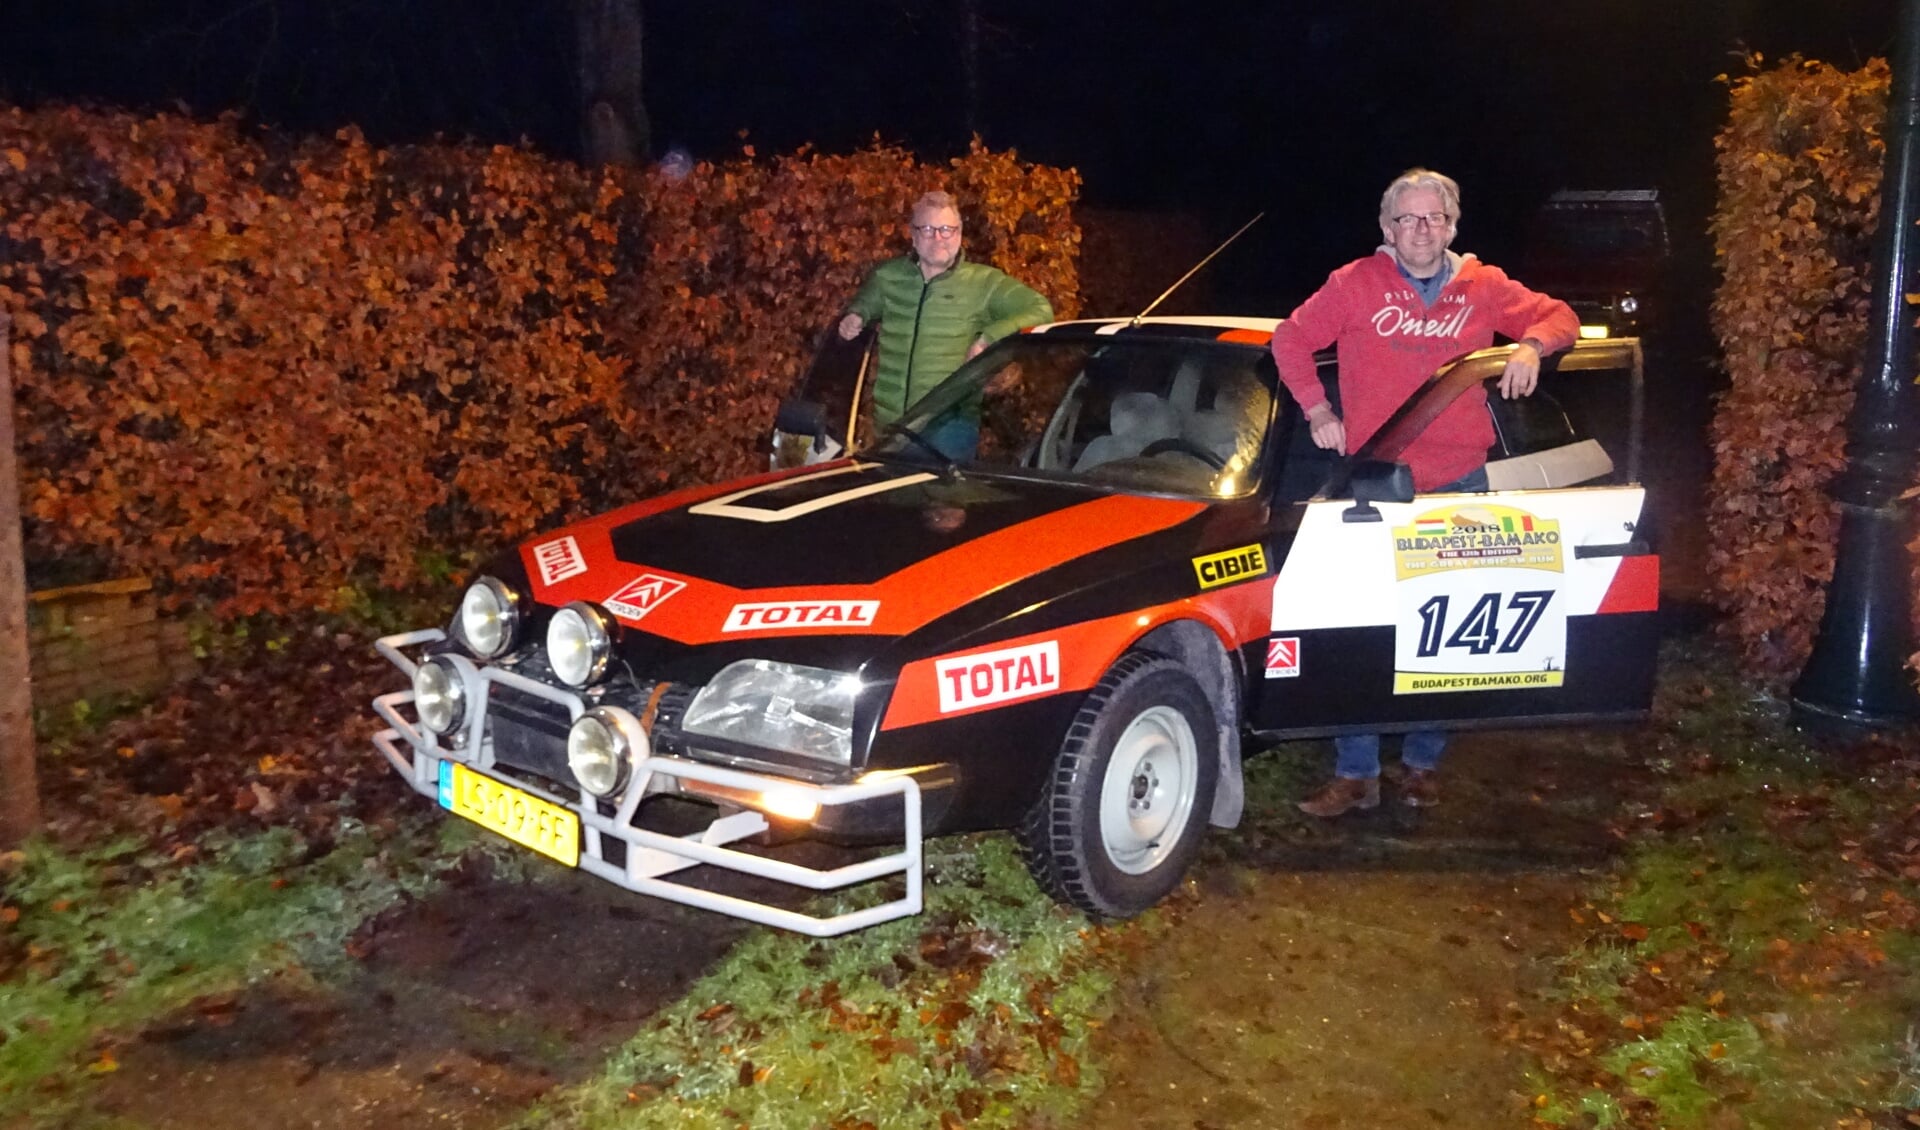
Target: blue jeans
(956, 435)
(1358, 755)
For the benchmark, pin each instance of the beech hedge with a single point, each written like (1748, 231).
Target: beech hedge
(271, 372)
(1799, 169)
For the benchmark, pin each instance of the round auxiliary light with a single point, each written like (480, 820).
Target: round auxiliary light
(601, 748)
(578, 643)
(490, 615)
(1629, 304)
(438, 696)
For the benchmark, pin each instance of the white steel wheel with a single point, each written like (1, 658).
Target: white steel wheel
(1148, 792)
(1121, 815)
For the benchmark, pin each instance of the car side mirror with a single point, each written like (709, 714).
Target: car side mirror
(1374, 481)
(800, 434)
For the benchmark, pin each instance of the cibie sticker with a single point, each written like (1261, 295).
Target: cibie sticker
(642, 595)
(559, 559)
(775, 616)
(1283, 657)
(1230, 565)
(1479, 601)
(997, 676)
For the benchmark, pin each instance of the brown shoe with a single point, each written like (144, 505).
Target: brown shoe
(1420, 788)
(1343, 795)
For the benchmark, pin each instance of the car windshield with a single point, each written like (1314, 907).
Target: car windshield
(1152, 414)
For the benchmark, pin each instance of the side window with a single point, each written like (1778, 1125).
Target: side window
(1529, 424)
(1307, 465)
(1599, 405)
(1576, 428)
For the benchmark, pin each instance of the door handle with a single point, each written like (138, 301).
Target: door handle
(1635, 548)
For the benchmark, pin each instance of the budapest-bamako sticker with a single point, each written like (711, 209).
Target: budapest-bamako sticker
(1479, 601)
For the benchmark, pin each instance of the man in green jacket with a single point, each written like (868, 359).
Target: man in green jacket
(935, 311)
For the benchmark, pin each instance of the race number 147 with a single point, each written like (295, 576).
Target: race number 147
(1492, 625)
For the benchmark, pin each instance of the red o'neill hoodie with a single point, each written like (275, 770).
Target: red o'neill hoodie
(1390, 342)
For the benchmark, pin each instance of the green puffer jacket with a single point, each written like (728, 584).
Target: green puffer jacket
(927, 325)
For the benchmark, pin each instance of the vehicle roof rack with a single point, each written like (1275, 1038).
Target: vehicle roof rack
(1606, 196)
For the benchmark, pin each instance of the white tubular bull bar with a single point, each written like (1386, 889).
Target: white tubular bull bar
(651, 855)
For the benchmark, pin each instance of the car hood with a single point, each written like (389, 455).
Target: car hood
(846, 549)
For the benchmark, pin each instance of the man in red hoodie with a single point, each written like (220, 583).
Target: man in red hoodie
(1397, 316)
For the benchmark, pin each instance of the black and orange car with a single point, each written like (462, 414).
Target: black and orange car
(1066, 630)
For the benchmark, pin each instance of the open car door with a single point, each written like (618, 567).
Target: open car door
(821, 419)
(1533, 604)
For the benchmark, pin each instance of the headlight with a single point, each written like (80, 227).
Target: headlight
(438, 695)
(1629, 304)
(578, 643)
(490, 617)
(802, 710)
(601, 748)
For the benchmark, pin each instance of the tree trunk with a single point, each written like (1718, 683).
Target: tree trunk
(607, 58)
(19, 790)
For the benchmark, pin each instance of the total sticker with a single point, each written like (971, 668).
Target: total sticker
(992, 677)
(775, 616)
(559, 559)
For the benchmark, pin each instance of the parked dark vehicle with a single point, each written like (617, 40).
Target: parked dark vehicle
(1066, 633)
(1606, 254)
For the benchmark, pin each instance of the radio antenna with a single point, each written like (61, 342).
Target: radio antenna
(1137, 318)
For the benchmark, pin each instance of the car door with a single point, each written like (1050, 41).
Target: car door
(828, 412)
(1533, 605)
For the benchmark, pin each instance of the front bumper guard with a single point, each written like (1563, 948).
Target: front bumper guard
(416, 753)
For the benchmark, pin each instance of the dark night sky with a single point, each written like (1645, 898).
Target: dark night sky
(1303, 109)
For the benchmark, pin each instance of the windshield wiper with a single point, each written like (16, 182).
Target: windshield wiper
(948, 467)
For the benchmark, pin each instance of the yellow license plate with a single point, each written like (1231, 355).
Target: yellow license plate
(519, 816)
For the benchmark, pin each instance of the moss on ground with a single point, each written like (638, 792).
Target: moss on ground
(1751, 960)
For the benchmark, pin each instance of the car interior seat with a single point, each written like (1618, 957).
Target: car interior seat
(1136, 420)
(1189, 380)
(1236, 414)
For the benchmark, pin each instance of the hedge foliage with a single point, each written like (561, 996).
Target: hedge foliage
(1799, 167)
(267, 370)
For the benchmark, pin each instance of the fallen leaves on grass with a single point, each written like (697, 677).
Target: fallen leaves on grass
(202, 758)
(1764, 888)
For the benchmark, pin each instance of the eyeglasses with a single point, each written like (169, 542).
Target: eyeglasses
(944, 231)
(1410, 220)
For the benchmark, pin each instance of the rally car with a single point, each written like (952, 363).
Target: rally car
(1064, 627)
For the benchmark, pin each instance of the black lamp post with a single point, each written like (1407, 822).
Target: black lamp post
(1857, 676)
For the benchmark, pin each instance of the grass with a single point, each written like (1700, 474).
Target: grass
(1670, 1068)
(979, 1010)
(981, 1007)
(107, 939)
(1755, 951)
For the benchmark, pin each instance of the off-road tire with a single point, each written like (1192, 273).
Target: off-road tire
(1119, 869)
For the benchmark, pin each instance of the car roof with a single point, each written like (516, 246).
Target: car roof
(1198, 327)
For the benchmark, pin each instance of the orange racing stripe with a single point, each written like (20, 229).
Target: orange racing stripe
(1236, 615)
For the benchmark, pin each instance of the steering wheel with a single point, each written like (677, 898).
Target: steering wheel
(1185, 447)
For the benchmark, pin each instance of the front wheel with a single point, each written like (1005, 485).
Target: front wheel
(1126, 804)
